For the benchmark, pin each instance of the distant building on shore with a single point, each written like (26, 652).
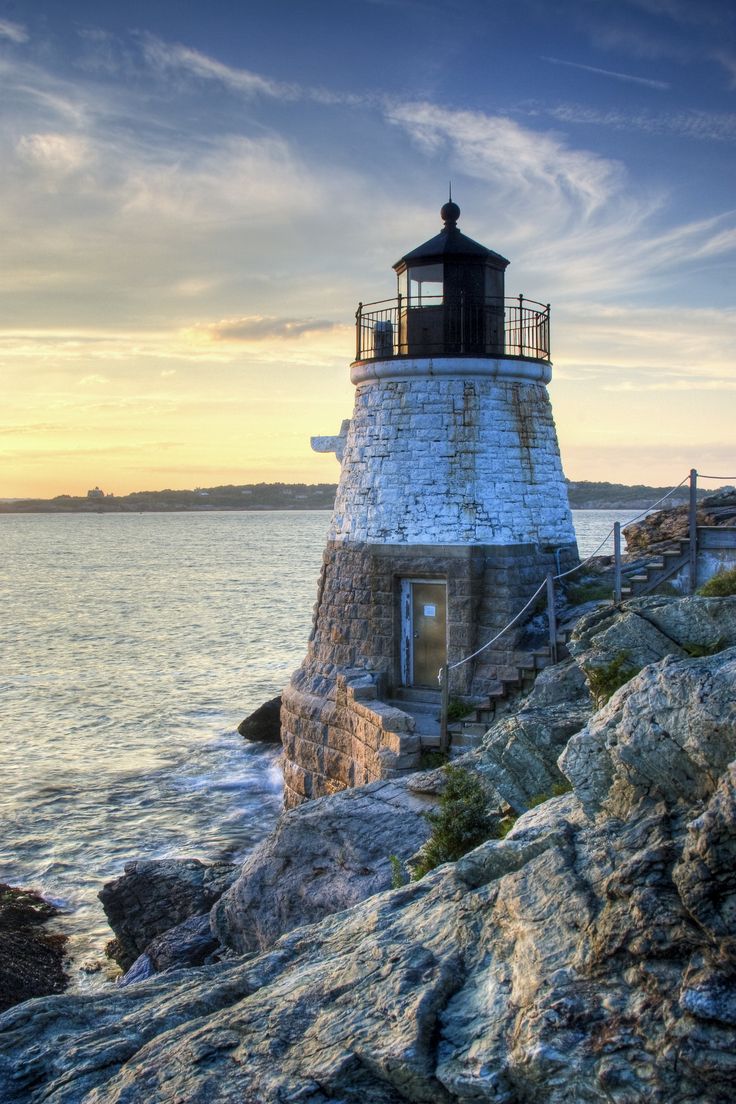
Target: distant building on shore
(95, 493)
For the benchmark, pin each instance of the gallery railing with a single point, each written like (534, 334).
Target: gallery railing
(437, 326)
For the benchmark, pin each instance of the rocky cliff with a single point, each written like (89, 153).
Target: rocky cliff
(588, 956)
(661, 528)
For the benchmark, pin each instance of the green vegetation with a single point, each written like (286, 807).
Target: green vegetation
(722, 585)
(504, 826)
(590, 590)
(559, 788)
(605, 681)
(431, 758)
(697, 651)
(457, 709)
(586, 494)
(399, 876)
(459, 824)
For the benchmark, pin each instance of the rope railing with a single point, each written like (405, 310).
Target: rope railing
(512, 622)
(548, 582)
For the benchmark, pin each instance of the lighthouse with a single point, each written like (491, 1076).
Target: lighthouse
(450, 510)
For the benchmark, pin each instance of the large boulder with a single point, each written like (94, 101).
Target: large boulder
(154, 895)
(329, 854)
(588, 956)
(190, 943)
(645, 630)
(518, 756)
(324, 856)
(668, 735)
(264, 723)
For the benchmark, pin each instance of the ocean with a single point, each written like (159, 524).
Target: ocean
(132, 646)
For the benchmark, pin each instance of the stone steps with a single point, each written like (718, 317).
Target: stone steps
(517, 679)
(468, 733)
(658, 571)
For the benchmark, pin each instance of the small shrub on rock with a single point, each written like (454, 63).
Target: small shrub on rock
(399, 876)
(564, 786)
(606, 680)
(699, 651)
(722, 585)
(460, 823)
(457, 709)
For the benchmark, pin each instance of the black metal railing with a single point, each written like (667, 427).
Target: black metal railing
(435, 326)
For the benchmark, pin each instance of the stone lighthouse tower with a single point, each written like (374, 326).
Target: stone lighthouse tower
(450, 510)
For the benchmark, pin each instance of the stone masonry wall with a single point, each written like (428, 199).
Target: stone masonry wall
(348, 739)
(447, 460)
(336, 730)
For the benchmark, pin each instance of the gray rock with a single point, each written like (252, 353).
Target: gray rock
(639, 744)
(324, 856)
(587, 958)
(705, 876)
(190, 943)
(154, 895)
(572, 961)
(645, 630)
(264, 723)
(141, 970)
(518, 756)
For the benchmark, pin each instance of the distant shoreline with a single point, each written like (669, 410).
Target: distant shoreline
(583, 495)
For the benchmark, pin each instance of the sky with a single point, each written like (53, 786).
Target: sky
(195, 197)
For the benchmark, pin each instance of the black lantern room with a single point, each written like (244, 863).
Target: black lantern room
(451, 291)
(451, 302)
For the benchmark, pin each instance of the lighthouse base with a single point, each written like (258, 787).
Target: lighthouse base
(339, 726)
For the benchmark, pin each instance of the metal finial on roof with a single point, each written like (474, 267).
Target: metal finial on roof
(450, 212)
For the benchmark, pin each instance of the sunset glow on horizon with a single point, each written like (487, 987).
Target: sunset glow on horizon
(193, 204)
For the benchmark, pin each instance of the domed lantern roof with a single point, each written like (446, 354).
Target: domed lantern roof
(451, 245)
(451, 294)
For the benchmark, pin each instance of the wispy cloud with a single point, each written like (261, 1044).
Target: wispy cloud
(728, 61)
(669, 385)
(570, 215)
(498, 149)
(93, 380)
(257, 327)
(165, 56)
(698, 125)
(685, 14)
(178, 58)
(628, 77)
(16, 32)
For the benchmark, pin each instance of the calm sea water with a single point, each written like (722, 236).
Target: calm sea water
(132, 646)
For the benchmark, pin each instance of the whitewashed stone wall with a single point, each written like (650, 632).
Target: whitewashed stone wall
(452, 460)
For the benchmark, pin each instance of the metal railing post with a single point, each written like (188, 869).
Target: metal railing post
(617, 563)
(551, 617)
(693, 531)
(445, 686)
(521, 325)
(358, 323)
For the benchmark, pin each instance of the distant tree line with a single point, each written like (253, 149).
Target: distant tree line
(304, 496)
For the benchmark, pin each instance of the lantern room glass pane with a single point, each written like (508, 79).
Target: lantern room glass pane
(426, 285)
